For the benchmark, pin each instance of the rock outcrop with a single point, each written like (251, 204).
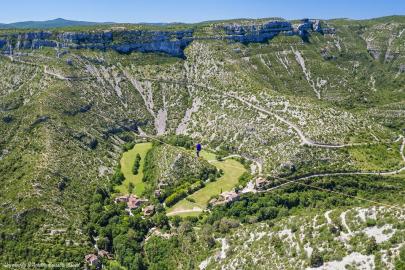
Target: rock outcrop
(266, 31)
(170, 42)
(256, 33)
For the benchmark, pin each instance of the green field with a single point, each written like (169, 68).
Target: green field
(127, 162)
(232, 171)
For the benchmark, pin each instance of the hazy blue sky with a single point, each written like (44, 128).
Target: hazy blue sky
(193, 10)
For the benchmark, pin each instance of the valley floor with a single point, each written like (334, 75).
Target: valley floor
(127, 162)
(198, 201)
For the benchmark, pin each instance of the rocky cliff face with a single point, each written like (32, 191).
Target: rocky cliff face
(170, 42)
(266, 31)
(256, 33)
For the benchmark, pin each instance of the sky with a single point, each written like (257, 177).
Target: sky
(135, 11)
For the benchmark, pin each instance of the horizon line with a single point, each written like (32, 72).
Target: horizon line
(197, 22)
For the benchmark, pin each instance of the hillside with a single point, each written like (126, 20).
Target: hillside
(59, 22)
(172, 170)
(317, 99)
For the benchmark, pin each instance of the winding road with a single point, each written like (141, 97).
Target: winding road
(185, 211)
(304, 139)
(300, 133)
(258, 164)
(47, 71)
(385, 173)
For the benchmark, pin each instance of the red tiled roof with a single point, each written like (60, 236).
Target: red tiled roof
(90, 258)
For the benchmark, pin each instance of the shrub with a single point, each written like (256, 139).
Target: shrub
(225, 224)
(190, 199)
(196, 186)
(128, 146)
(131, 187)
(137, 163)
(93, 143)
(371, 222)
(175, 197)
(400, 262)
(180, 140)
(149, 166)
(371, 246)
(316, 259)
(244, 178)
(118, 177)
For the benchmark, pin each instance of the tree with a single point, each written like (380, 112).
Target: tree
(371, 246)
(118, 177)
(175, 197)
(104, 243)
(225, 224)
(207, 236)
(161, 220)
(316, 259)
(137, 163)
(131, 187)
(136, 262)
(185, 227)
(175, 221)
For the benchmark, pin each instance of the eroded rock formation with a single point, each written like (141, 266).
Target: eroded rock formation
(170, 42)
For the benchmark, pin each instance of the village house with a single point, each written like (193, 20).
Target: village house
(261, 182)
(121, 199)
(149, 210)
(229, 196)
(131, 200)
(225, 197)
(105, 254)
(135, 202)
(92, 259)
(158, 193)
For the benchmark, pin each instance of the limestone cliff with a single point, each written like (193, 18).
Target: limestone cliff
(170, 42)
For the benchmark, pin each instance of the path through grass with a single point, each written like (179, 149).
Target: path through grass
(232, 171)
(127, 162)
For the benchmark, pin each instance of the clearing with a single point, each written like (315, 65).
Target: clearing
(127, 162)
(232, 171)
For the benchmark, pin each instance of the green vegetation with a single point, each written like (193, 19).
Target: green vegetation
(232, 171)
(175, 197)
(175, 172)
(59, 145)
(135, 168)
(244, 179)
(400, 262)
(270, 205)
(291, 208)
(131, 159)
(118, 233)
(377, 157)
(131, 187)
(316, 259)
(180, 141)
(125, 236)
(118, 176)
(297, 214)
